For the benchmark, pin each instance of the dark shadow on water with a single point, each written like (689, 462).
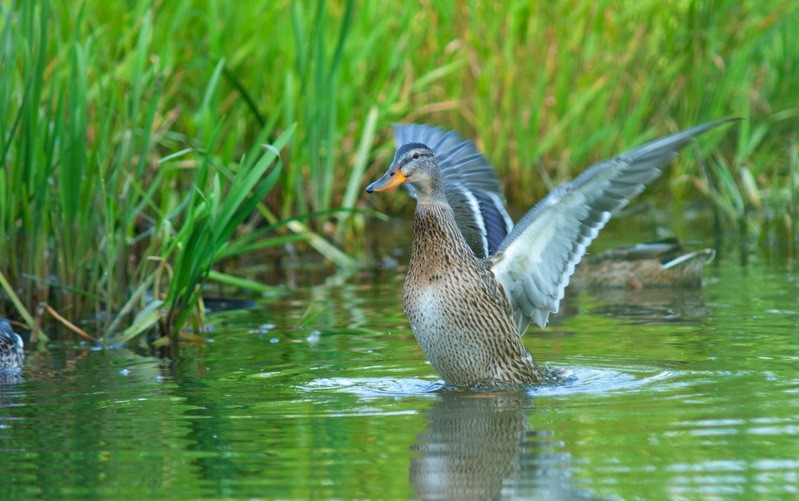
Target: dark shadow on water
(481, 446)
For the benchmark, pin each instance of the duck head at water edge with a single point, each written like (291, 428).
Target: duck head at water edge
(475, 280)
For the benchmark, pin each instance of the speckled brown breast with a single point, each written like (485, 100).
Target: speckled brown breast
(457, 310)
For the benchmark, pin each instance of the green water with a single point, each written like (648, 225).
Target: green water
(323, 394)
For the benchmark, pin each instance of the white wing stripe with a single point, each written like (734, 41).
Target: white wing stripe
(474, 205)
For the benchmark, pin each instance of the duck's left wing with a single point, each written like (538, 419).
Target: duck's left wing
(536, 259)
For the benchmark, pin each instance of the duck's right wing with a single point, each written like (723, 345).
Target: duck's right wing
(537, 258)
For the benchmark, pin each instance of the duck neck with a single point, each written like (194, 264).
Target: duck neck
(437, 241)
(430, 189)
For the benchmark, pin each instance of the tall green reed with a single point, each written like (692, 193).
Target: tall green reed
(95, 221)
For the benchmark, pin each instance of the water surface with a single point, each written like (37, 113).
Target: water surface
(323, 393)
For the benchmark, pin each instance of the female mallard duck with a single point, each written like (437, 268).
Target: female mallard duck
(475, 281)
(664, 263)
(11, 354)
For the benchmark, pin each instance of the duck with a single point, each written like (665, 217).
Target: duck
(662, 263)
(476, 280)
(11, 348)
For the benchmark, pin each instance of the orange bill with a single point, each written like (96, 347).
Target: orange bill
(390, 179)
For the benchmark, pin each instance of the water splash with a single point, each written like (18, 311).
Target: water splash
(377, 387)
(580, 380)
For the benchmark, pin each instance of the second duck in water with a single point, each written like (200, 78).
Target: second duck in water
(664, 263)
(475, 281)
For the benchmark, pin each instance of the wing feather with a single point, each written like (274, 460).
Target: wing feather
(536, 259)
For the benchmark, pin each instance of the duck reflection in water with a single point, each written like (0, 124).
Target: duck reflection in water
(480, 446)
(653, 306)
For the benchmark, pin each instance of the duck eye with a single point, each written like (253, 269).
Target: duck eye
(416, 156)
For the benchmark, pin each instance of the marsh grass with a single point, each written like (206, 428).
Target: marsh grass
(546, 89)
(131, 131)
(95, 223)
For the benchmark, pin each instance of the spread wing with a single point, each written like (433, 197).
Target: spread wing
(536, 259)
(470, 184)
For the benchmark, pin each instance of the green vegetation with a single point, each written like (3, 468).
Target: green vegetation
(94, 219)
(131, 131)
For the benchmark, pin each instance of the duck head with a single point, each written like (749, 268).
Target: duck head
(414, 164)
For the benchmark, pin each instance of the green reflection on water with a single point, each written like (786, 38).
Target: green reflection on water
(676, 394)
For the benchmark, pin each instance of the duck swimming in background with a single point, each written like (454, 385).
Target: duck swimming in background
(664, 263)
(475, 281)
(11, 353)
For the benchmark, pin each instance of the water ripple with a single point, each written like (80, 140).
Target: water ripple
(376, 387)
(579, 380)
